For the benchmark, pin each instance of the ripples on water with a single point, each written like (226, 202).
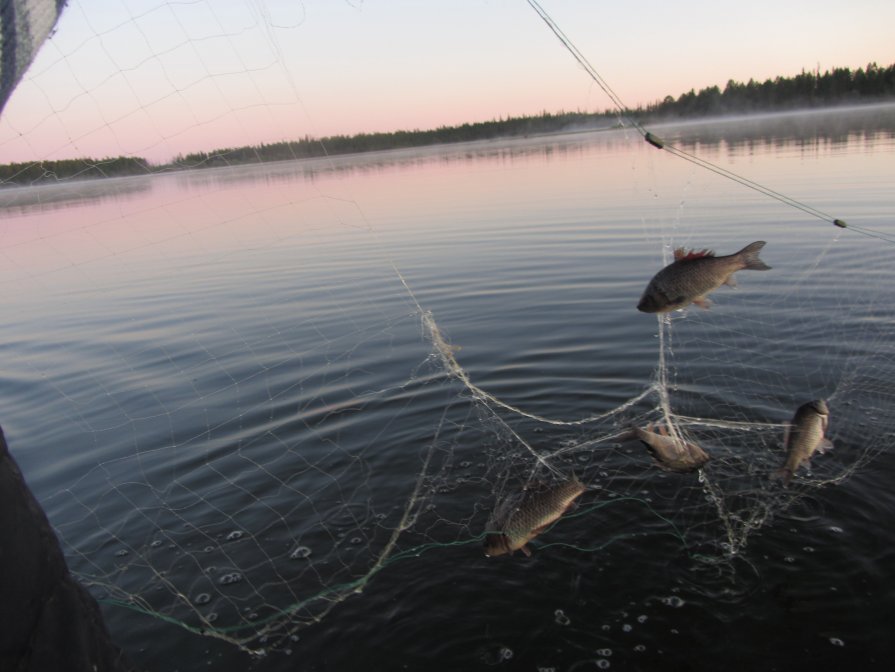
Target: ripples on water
(227, 400)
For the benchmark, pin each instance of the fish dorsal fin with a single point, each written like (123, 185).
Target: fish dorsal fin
(683, 254)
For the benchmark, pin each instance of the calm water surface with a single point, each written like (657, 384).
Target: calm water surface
(222, 387)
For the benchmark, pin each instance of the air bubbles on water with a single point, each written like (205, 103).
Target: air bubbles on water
(560, 617)
(836, 529)
(155, 544)
(603, 664)
(121, 553)
(641, 618)
(640, 648)
(627, 627)
(234, 535)
(202, 598)
(300, 553)
(228, 579)
(673, 601)
(605, 653)
(506, 653)
(835, 641)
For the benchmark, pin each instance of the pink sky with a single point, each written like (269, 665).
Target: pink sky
(155, 78)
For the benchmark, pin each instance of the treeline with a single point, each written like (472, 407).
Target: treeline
(66, 169)
(309, 147)
(805, 90)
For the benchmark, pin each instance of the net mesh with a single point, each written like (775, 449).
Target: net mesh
(245, 503)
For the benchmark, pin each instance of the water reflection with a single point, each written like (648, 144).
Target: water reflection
(818, 130)
(814, 130)
(858, 128)
(21, 200)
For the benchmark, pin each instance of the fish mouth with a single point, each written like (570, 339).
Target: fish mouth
(647, 305)
(654, 300)
(495, 544)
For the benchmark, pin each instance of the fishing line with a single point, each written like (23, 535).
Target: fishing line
(659, 143)
(306, 453)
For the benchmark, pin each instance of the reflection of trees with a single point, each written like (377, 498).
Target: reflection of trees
(806, 129)
(56, 195)
(503, 151)
(309, 148)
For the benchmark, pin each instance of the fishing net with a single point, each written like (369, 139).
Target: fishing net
(242, 456)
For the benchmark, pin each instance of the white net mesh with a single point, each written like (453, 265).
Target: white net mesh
(238, 391)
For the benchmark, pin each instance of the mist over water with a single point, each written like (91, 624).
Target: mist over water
(227, 400)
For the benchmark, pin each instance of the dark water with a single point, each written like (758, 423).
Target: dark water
(229, 402)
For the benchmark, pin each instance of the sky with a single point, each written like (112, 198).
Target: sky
(158, 78)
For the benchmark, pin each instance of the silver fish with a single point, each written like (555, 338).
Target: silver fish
(517, 521)
(670, 453)
(804, 436)
(694, 274)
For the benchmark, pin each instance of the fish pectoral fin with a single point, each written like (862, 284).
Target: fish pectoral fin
(825, 445)
(525, 549)
(731, 281)
(702, 302)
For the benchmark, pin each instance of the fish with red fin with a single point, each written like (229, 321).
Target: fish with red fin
(804, 436)
(518, 520)
(693, 275)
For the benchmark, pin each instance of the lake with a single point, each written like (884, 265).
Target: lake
(270, 409)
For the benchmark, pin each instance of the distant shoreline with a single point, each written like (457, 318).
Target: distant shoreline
(98, 171)
(804, 93)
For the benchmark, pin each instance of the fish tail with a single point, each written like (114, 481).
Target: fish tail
(749, 257)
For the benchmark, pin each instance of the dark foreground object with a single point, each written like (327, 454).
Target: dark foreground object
(48, 622)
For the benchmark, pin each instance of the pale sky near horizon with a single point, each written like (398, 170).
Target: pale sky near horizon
(155, 78)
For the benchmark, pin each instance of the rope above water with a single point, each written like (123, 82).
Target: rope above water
(659, 143)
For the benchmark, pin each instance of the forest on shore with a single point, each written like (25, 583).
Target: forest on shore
(807, 90)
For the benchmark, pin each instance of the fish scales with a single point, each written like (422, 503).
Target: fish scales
(695, 274)
(534, 510)
(671, 453)
(805, 436)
